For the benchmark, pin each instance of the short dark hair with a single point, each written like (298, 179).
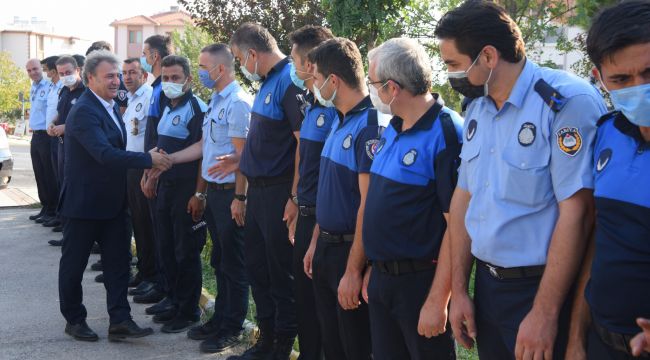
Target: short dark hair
(308, 37)
(172, 60)
(66, 59)
(132, 60)
(80, 59)
(341, 57)
(616, 27)
(253, 36)
(161, 44)
(222, 51)
(99, 45)
(50, 62)
(476, 24)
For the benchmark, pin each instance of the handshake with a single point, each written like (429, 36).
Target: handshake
(160, 160)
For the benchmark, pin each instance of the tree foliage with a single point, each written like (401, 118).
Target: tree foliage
(13, 80)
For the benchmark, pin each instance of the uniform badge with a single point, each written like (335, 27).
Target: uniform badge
(176, 120)
(138, 107)
(42, 93)
(121, 94)
(222, 112)
(569, 140)
(371, 148)
(527, 134)
(267, 99)
(409, 157)
(471, 130)
(603, 159)
(321, 120)
(73, 101)
(347, 142)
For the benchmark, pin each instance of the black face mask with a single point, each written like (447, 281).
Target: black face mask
(465, 88)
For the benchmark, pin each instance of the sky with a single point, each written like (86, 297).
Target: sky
(85, 19)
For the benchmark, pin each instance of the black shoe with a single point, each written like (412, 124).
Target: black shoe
(164, 305)
(202, 332)
(57, 228)
(56, 242)
(127, 329)
(220, 343)
(81, 331)
(97, 266)
(52, 223)
(43, 219)
(95, 249)
(36, 216)
(179, 324)
(99, 278)
(134, 281)
(142, 288)
(262, 350)
(166, 317)
(282, 347)
(150, 297)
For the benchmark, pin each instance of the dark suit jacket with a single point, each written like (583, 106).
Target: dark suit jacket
(96, 162)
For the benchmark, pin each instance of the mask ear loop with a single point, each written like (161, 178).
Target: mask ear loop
(486, 88)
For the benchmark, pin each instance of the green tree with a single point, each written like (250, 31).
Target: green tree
(189, 43)
(13, 80)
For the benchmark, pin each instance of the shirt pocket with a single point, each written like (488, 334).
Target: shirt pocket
(526, 179)
(469, 157)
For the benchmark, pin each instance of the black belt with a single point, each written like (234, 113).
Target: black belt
(226, 186)
(39, 132)
(401, 267)
(336, 238)
(307, 210)
(520, 272)
(619, 342)
(269, 181)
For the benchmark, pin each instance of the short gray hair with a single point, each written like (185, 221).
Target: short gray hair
(94, 59)
(404, 61)
(223, 54)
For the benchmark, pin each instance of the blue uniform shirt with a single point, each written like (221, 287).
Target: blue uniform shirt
(228, 116)
(349, 151)
(520, 161)
(180, 127)
(271, 146)
(67, 99)
(156, 106)
(313, 132)
(412, 180)
(38, 98)
(619, 289)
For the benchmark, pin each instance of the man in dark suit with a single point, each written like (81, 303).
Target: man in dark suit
(93, 198)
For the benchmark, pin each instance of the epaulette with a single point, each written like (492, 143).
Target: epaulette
(551, 97)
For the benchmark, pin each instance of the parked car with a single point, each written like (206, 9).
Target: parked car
(6, 160)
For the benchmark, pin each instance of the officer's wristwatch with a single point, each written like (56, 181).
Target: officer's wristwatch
(240, 197)
(294, 198)
(201, 196)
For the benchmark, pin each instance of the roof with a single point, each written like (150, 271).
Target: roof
(30, 32)
(172, 18)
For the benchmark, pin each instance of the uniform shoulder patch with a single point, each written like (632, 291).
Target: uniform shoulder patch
(372, 147)
(603, 159)
(347, 142)
(410, 157)
(569, 140)
(121, 94)
(176, 120)
(527, 134)
(471, 130)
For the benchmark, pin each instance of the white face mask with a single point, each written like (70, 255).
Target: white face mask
(173, 90)
(376, 100)
(250, 76)
(69, 80)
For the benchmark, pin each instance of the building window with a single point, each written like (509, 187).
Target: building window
(135, 37)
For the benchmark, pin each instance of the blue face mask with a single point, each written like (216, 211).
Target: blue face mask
(204, 77)
(296, 80)
(327, 103)
(145, 65)
(634, 103)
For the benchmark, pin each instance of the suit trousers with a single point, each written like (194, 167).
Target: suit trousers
(142, 227)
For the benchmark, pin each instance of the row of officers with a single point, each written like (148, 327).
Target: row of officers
(359, 238)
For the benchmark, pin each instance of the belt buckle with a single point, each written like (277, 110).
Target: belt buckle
(493, 271)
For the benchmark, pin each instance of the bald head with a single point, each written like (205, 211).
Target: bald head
(34, 69)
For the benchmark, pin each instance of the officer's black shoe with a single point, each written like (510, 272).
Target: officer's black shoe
(262, 350)
(97, 266)
(164, 305)
(127, 329)
(282, 347)
(95, 249)
(43, 219)
(150, 297)
(81, 331)
(57, 229)
(52, 223)
(142, 288)
(220, 343)
(36, 216)
(56, 242)
(202, 332)
(179, 324)
(166, 317)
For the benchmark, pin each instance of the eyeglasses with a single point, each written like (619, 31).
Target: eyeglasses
(383, 83)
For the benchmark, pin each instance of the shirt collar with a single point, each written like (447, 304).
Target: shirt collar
(229, 89)
(425, 122)
(138, 92)
(108, 105)
(157, 81)
(183, 99)
(626, 127)
(361, 106)
(278, 67)
(522, 85)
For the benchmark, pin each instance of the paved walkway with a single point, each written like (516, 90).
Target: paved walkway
(31, 326)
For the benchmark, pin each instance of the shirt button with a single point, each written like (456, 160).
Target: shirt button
(487, 183)
(497, 117)
(482, 218)
(492, 150)
(523, 164)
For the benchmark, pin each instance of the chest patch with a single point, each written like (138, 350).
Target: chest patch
(176, 120)
(222, 112)
(347, 142)
(569, 140)
(267, 99)
(42, 93)
(138, 107)
(321, 120)
(410, 157)
(527, 134)
(471, 130)
(603, 159)
(73, 101)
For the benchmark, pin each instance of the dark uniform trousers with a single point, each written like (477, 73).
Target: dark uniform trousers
(597, 349)
(160, 268)
(80, 234)
(268, 257)
(227, 260)
(180, 244)
(40, 151)
(54, 162)
(142, 227)
(394, 306)
(346, 333)
(501, 306)
(309, 333)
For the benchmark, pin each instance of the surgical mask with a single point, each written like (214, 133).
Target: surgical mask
(459, 81)
(204, 77)
(69, 80)
(327, 103)
(633, 102)
(252, 77)
(173, 90)
(376, 100)
(296, 80)
(145, 65)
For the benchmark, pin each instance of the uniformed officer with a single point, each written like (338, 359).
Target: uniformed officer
(618, 263)
(523, 204)
(180, 234)
(40, 144)
(268, 162)
(315, 128)
(335, 258)
(412, 180)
